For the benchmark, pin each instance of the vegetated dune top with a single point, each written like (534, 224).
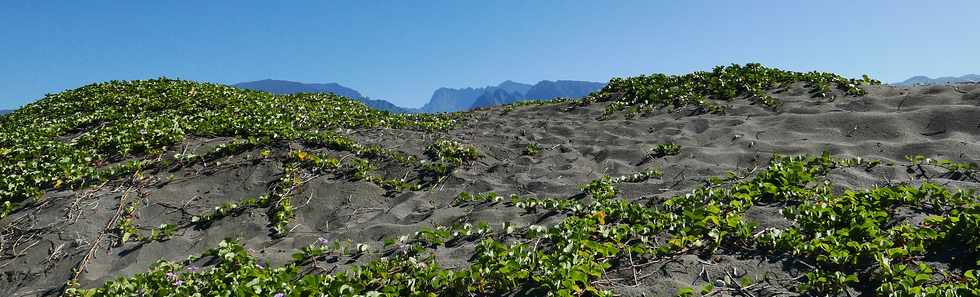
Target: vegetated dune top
(658, 184)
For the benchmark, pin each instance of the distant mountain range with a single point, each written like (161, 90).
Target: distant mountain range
(5, 111)
(449, 100)
(461, 99)
(505, 93)
(292, 87)
(443, 99)
(925, 80)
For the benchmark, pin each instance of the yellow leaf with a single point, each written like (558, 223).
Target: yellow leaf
(601, 216)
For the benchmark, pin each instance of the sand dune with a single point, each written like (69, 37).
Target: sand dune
(889, 123)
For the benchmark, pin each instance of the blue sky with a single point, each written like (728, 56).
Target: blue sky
(402, 50)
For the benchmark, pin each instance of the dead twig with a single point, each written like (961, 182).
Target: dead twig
(120, 207)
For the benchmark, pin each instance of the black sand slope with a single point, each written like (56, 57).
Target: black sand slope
(540, 150)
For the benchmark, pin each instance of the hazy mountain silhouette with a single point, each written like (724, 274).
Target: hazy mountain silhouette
(292, 87)
(496, 96)
(2, 112)
(543, 90)
(450, 100)
(925, 80)
(514, 87)
(443, 99)
(504, 93)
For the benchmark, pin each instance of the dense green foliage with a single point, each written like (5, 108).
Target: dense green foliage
(850, 239)
(707, 91)
(81, 136)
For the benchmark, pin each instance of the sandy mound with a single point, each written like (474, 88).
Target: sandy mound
(42, 244)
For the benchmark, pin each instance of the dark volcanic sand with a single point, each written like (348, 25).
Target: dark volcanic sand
(41, 245)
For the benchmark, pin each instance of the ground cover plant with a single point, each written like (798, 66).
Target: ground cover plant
(851, 240)
(80, 137)
(532, 149)
(708, 91)
(115, 132)
(665, 149)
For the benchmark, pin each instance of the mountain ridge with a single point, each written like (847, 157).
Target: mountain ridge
(543, 90)
(452, 99)
(285, 87)
(925, 80)
(443, 99)
(494, 97)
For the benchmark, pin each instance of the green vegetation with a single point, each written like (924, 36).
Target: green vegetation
(522, 103)
(447, 155)
(665, 149)
(708, 91)
(80, 137)
(280, 208)
(660, 151)
(532, 149)
(952, 170)
(850, 239)
(452, 152)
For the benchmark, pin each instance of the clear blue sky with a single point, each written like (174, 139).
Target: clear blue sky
(402, 50)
